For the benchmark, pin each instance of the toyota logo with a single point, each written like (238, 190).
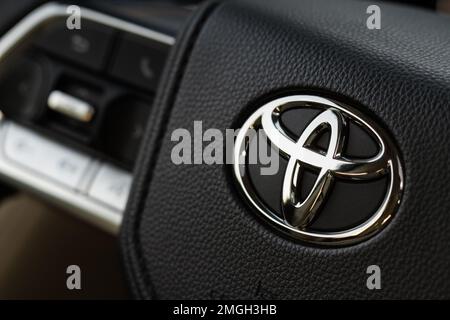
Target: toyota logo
(297, 212)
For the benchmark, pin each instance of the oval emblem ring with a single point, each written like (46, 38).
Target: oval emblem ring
(293, 126)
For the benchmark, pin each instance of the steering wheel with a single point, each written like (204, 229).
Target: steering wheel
(191, 233)
(353, 101)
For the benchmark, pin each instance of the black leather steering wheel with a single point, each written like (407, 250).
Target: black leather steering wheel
(189, 232)
(198, 231)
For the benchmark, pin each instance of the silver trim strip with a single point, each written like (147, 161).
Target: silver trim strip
(87, 208)
(53, 10)
(75, 201)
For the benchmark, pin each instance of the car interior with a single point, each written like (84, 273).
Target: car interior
(93, 95)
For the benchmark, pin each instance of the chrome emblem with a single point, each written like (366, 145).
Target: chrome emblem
(332, 164)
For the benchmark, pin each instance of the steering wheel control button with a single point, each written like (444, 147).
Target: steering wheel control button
(112, 187)
(339, 179)
(59, 81)
(139, 61)
(21, 86)
(88, 46)
(123, 129)
(44, 157)
(70, 106)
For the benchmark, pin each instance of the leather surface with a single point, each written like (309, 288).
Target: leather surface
(189, 234)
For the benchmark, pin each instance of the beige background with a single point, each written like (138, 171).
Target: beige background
(39, 241)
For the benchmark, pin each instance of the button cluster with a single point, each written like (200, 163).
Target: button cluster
(110, 185)
(136, 60)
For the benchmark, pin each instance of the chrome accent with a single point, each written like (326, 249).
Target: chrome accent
(299, 214)
(70, 106)
(76, 200)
